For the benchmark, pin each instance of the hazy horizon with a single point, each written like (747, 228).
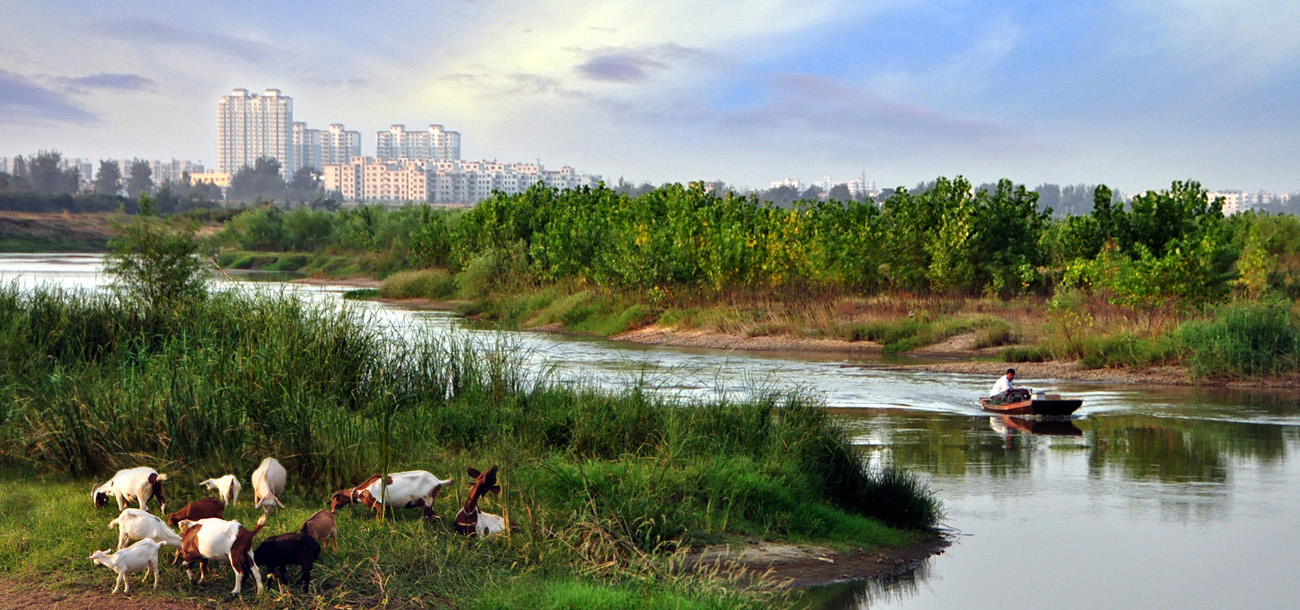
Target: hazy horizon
(1131, 94)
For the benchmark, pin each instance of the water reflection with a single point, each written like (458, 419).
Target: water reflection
(865, 593)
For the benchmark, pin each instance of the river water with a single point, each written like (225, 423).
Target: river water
(1152, 498)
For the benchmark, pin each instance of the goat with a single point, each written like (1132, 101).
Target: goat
(227, 488)
(220, 539)
(135, 524)
(470, 520)
(207, 508)
(132, 485)
(410, 489)
(278, 552)
(268, 484)
(142, 555)
(321, 528)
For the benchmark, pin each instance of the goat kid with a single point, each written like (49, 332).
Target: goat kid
(227, 488)
(207, 539)
(135, 524)
(142, 555)
(472, 521)
(321, 528)
(278, 552)
(132, 485)
(207, 508)
(268, 484)
(410, 489)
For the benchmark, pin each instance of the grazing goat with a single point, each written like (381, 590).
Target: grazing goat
(227, 488)
(132, 485)
(410, 489)
(135, 524)
(472, 521)
(142, 555)
(268, 484)
(278, 552)
(321, 528)
(220, 539)
(207, 508)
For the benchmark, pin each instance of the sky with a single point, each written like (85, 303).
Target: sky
(1130, 93)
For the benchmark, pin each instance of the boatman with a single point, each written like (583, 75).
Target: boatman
(1004, 390)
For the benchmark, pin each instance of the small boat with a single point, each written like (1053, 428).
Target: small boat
(1037, 404)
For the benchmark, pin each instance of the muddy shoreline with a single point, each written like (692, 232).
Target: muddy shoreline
(799, 566)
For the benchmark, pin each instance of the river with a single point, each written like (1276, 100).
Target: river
(1152, 498)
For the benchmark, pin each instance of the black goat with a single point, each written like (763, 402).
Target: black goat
(278, 552)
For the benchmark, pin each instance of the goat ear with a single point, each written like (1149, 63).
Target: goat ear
(473, 474)
(496, 489)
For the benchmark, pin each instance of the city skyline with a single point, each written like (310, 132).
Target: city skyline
(1131, 94)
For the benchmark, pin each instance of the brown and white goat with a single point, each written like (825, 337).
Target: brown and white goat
(410, 489)
(132, 485)
(472, 521)
(207, 539)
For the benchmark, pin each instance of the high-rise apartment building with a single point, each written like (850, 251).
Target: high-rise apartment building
(251, 126)
(306, 146)
(433, 144)
(317, 148)
(339, 145)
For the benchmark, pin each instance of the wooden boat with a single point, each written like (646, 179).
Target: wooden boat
(1037, 404)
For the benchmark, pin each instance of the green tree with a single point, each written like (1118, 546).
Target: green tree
(141, 179)
(108, 181)
(46, 175)
(262, 181)
(154, 263)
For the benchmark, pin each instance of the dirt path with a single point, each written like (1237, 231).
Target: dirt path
(24, 596)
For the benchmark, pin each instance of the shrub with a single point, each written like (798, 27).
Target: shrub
(1243, 341)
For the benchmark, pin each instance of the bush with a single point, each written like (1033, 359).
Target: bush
(1243, 341)
(421, 284)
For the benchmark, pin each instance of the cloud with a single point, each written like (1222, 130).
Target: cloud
(632, 64)
(138, 31)
(122, 82)
(22, 100)
(830, 109)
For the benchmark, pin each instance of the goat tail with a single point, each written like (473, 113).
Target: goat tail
(261, 523)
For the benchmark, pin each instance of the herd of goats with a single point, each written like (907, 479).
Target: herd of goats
(205, 535)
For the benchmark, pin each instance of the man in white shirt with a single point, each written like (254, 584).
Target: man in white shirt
(1003, 386)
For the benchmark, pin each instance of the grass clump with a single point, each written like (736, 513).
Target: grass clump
(1257, 340)
(434, 284)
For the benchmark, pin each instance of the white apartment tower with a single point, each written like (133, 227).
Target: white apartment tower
(338, 145)
(251, 126)
(306, 146)
(433, 144)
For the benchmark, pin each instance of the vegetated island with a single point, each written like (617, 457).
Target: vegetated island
(614, 498)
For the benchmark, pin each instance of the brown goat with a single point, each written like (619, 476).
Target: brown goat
(206, 508)
(321, 527)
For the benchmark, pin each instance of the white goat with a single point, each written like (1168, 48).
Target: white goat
(132, 485)
(227, 488)
(135, 524)
(268, 484)
(220, 539)
(410, 489)
(142, 555)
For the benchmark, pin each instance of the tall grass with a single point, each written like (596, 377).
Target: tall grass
(93, 385)
(1253, 340)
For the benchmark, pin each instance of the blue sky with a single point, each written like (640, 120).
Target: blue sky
(1130, 93)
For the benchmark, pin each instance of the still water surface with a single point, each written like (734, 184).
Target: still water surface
(1152, 498)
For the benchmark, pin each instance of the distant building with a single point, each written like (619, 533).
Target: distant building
(370, 179)
(433, 144)
(787, 182)
(317, 148)
(251, 126)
